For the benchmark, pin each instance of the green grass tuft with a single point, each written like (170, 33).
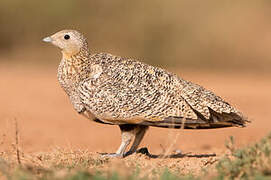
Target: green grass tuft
(252, 161)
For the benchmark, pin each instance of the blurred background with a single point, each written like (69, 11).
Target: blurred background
(222, 45)
(196, 34)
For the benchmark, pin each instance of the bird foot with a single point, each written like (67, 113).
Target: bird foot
(128, 153)
(112, 155)
(141, 151)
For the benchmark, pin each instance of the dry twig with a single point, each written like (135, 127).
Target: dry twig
(17, 142)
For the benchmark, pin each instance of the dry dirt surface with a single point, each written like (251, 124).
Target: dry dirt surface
(46, 119)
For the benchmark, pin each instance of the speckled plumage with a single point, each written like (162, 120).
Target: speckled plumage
(117, 90)
(128, 91)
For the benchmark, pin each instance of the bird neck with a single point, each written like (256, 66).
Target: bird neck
(77, 63)
(83, 56)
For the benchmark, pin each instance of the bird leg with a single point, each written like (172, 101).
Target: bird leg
(128, 132)
(141, 130)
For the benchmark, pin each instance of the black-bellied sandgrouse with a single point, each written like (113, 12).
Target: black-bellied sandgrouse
(133, 95)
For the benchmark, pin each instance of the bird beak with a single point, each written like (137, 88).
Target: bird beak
(47, 39)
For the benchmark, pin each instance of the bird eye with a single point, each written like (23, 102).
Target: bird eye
(66, 37)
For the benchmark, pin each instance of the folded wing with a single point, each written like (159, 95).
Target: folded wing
(131, 92)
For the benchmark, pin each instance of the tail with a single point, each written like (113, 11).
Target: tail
(216, 120)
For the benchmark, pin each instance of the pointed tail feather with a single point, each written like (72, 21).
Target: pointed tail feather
(216, 120)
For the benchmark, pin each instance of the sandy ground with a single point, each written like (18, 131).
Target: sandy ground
(47, 120)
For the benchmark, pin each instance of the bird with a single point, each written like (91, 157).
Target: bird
(122, 91)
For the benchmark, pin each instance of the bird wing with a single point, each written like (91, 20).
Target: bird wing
(128, 91)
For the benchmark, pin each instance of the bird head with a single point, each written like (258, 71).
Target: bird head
(69, 41)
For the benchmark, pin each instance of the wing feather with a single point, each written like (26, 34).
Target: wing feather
(128, 91)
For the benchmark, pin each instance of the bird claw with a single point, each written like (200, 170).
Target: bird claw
(128, 153)
(112, 155)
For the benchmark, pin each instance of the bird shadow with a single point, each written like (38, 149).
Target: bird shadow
(145, 151)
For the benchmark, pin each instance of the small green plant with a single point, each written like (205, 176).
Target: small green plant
(252, 161)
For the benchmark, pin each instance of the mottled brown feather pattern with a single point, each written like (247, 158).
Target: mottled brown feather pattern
(121, 90)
